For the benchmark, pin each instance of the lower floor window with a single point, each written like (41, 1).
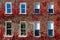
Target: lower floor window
(37, 29)
(8, 32)
(37, 32)
(50, 28)
(50, 10)
(23, 32)
(8, 29)
(23, 28)
(50, 32)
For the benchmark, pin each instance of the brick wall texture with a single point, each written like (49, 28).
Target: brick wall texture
(30, 17)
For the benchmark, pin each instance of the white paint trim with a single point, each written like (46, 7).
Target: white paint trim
(20, 7)
(6, 7)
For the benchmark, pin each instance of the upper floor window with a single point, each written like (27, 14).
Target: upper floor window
(36, 8)
(50, 28)
(22, 8)
(8, 29)
(37, 29)
(23, 32)
(8, 8)
(50, 8)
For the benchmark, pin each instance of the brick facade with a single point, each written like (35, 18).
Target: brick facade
(30, 17)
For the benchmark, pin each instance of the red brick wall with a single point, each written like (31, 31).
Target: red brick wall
(30, 17)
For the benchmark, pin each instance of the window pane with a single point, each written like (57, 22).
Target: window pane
(8, 6)
(23, 33)
(37, 6)
(50, 25)
(8, 25)
(50, 6)
(50, 10)
(22, 5)
(8, 28)
(8, 10)
(37, 28)
(23, 28)
(8, 32)
(22, 8)
(36, 32)
(37, 25)
(22, 11)
(23, 25)
(36, 10)
(50, 32)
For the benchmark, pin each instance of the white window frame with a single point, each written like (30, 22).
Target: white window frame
(6, 29)
(34, 7)
(20, 7)
(20, 29)
(53, 8)
(52, 29)
(6, 7)
(39, 29)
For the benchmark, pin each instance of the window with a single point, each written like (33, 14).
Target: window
(23, 29)
(8, 29)
(8, 8)
(50, 28)
(37, 29)
(50, 8)
(22, 8)
(36, 7)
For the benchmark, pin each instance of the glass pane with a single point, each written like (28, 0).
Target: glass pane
(22, 11)
(36, 32)
(50, 10)
(37, 25)
(50, 6)
(8, 10)
(36, 10)
(8, 32)
(50, 32)
(50, 25)
(8, 25)
(8, 6)
(22, 5)
(37, 6)
(23, 25)
(23, 32)
(23, 28)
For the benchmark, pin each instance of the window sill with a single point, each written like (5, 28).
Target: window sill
(22, 13)
(37, 36)
(51, 36)
(22, 36)
(50, 13)
(8, 14)
(8, 35)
